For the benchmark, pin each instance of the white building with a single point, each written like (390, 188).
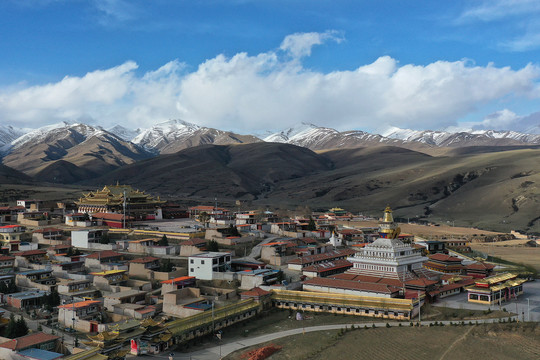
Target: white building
(388, 258)
(86, 238)
(202, 266)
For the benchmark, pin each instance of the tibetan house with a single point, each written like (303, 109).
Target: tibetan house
(496, 289)
(112, 199)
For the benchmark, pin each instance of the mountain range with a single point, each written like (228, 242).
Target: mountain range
(481, 178)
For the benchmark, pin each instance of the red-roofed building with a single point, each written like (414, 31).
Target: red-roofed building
(301, 262)
(327, 268)
(331, 285)
(445, 264)
(81, 315)
(480, 269)
(6, 262)
(32, 255)
(257, 294)
(112, 220)
(37, 340)
(177, 283)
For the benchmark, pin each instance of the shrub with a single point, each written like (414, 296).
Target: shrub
(387, 325)
(411, 324)
(373, 325)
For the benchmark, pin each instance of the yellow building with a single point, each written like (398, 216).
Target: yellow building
(496, 289)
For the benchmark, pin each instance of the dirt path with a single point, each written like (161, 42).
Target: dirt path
(461, 338)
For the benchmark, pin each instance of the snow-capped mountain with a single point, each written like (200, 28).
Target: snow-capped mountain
(7, 135)
(318, 138)
(73, 145)
(124, 133)
(462, 138)
(174, 135)
(55, 132)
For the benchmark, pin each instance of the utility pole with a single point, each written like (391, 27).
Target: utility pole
(419, 308)
(124, 208)
(528, 309)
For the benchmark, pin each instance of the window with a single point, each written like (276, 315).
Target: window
(191, 270)
(191, 261)
(202, 262)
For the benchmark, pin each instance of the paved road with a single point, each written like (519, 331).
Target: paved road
(526, 305)
(213, 353)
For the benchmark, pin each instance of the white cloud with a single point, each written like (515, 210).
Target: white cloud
(491, 10)
(529, 41)
(508, 120)
(299, 45)
(115, 11)
(254, 93)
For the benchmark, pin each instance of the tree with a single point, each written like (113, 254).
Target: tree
(212, 245)
(165, 266)
(104, 239)
(311, 225)
(204, 218)
(164, 241)
(233, 231)
(21, 328)
(9, 331)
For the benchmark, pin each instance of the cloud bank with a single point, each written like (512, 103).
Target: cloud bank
(272, 90)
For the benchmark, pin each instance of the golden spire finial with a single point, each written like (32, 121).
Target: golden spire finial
(388, 215)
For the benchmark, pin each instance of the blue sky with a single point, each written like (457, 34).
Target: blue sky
(252, 65)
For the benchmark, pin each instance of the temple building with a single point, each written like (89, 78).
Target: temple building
(388, 258)
(113, 199)
(496, 289)
(445, 264)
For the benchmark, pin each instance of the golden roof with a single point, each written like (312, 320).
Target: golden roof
(103, 336)
(114, 195)
(150, 322)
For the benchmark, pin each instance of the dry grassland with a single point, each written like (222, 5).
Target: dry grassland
(493, 341)
(424, 230)
(518, 254)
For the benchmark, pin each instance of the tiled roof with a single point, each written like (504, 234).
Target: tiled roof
(255, 292)
(444, 257)
(28, 340)
(193, 242)
(328, 266)
(352, 285)
(103, 254)
(480, 266)
(368, 279)
(321, 257)
(30, 253)
(6, 258)
(145, 260)
(79, 304)
(421, 282)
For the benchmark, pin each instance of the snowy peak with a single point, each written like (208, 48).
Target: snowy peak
(164, 133)
(319, 138)
(55, 132)
(124, 133)
(462, 138)
(286, 135)
(8, 134)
